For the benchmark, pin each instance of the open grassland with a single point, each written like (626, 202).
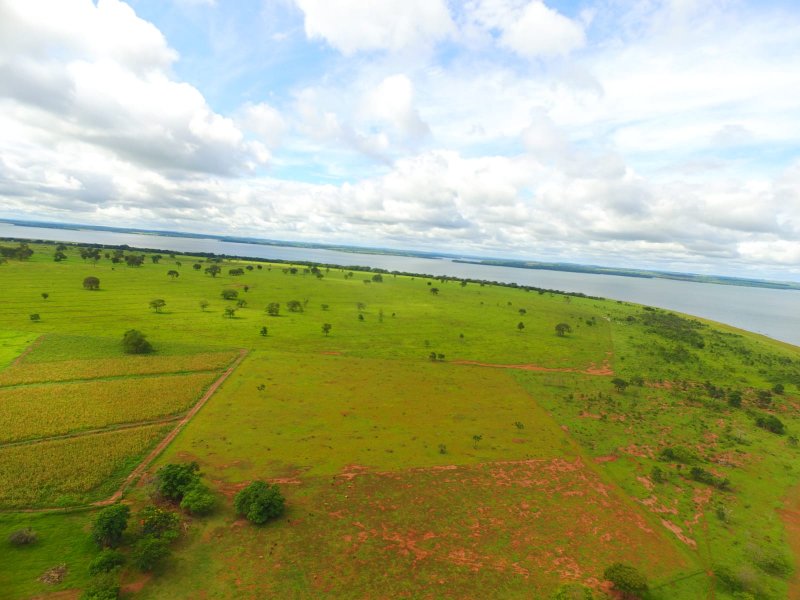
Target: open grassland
(406, 477)
(72, 471)
(45, 410)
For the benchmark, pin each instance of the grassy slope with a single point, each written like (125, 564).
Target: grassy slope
(297, 427)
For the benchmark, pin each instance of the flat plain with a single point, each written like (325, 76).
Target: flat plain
(513, 462)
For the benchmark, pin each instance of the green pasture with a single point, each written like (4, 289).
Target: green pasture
(405, 476)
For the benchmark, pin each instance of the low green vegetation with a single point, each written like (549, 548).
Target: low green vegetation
(385, 434)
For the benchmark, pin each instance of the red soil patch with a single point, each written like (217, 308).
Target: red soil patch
(604, 370)
(605, 459)
(136, 586)
(790, 515)
(679, 533)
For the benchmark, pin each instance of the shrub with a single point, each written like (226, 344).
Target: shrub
(23, 537)
(198, 500)
(109, 524)
(106, 561)
(135, 342)
(104, 586)
(678, 454)
(626, 579)
(174, 480)
(259, 502)
(149, 552)
(229, 294)
(771, 423)
(91, 283)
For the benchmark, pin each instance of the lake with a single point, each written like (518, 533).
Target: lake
(767, 311)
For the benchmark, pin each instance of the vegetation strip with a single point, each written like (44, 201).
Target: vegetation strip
(142, 466)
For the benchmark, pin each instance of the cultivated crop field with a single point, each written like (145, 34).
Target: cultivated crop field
(438, 440)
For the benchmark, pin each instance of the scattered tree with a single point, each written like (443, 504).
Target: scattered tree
(619, 384)
(173, 274)
(263, 331)
(230, 312)
(91, 283)
(241, 303)
(294, 306)
(203, 305)
(626, 579)
(259, 502)
(198, 500)
(160, 523)
(35, 317)
(45, 295)
(135, 342)
(175, 479)
(435, 291)
(273, 309)
(771, 423)
(109, 525)
(229, 294)
(197, 266)
(475, 440)
(149, 552)
(562, 329)
(106, 561)
(103, 586)
(213, 270)
(326, 328)
(157, 304)
(520, 326)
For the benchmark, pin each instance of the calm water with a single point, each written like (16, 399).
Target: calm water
(770, 312)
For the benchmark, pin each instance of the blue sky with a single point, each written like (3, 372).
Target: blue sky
(657, 133)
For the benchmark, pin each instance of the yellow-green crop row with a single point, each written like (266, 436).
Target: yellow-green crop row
(35, 411)
(26, 371)
(74, 470)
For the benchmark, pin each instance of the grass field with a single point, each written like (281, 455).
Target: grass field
(404, 477)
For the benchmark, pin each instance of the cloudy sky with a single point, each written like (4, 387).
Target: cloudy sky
(652, 133)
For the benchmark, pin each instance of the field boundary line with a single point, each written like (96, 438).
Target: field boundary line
(27, 350)
(139, 470)
(13, 386)
(90, 432)
(162, 445)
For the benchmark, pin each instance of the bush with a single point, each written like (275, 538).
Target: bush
(160, 523)
(678, 454)
(109, 524)
(229, 294)
(135, 342)
(104, 586)
(626, 579)
(198, 500)
(91, 283)
(106, 561)
(174, 480)
(23, 537)
(149, 552)
(259, 502)
(771, 423)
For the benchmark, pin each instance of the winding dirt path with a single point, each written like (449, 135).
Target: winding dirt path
(154, 453)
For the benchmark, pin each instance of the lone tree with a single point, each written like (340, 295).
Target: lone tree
(273, 308)
(213, 270)
(35, 317)
(230, 312)
(562, 329)
(110, 523)
(135, 342)
(475, 440)
(627, 580)
(259, 502)
(520, 325)
(45, 295)
(619, 384)
(91, 283)
(229, 294)
(173, 274)
(263, 331)
(294, 306)
(157, 304)
(326, 328)
(197, 266)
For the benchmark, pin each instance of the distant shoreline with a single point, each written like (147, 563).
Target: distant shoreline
(456, 258)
